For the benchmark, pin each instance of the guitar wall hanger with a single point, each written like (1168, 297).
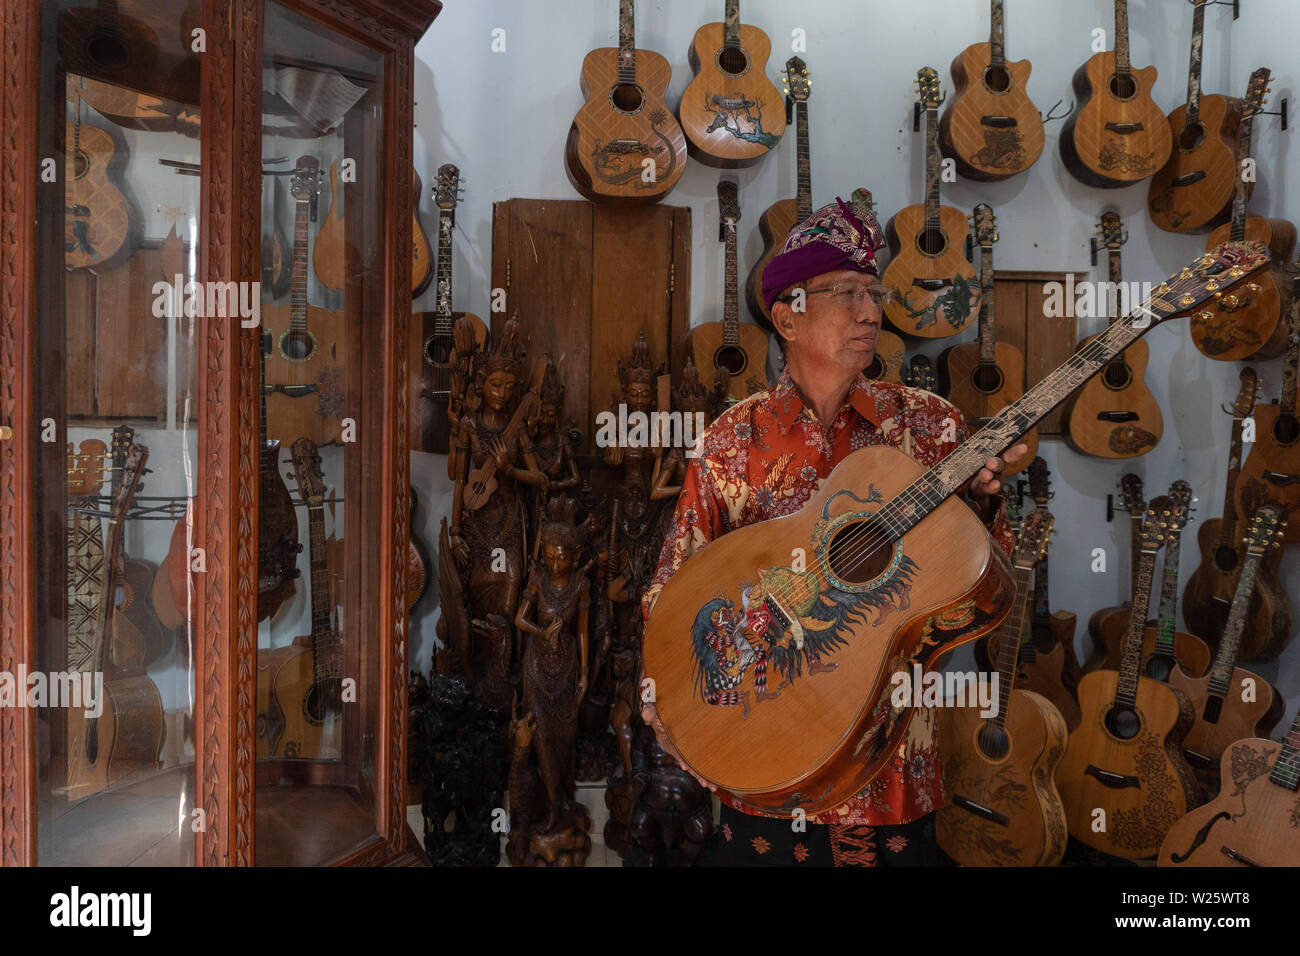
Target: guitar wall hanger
(1052, 115)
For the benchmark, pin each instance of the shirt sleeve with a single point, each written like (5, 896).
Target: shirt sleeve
(698, 519)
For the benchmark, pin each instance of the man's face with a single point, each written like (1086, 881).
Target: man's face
(839, 323)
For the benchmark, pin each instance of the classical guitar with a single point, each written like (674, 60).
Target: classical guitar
(1271, 472)
(1117, 135)
(329, 254)
(137, 638)
(1230, 702)
(991, 128)
(982, 378)
(625, 144)
(934, 291)
(1193, 191)
(887, 362)
(1252, 820)
(437, 339)
(1115, 415)
(101, 225)
(1002, 807)
(1251, 323)
(1212, 586)
(1132, 496)
(739, 348)
(731, 113)
(835, 584)
(784, 214)
(421, 259)
(1125, 758)
(306, 382)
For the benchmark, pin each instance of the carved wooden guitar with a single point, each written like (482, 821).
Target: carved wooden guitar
(934, 291)
(882, 535)
(991, 127)
(1117, 135)
(1002, 807)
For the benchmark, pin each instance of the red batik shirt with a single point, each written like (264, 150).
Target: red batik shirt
(765, 457)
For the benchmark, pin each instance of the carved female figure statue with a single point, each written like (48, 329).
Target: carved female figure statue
(690, 399)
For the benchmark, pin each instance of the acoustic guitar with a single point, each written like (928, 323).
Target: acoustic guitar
(1230, 702)
(1132, 496)
(741, 349)
(784, 214)
(1252, 820)
(101, 225)
(982, 378)
(1193, 191)
(1117, 135)
(306, 383)
(933, 289)
(1125, 758)
(625, 144)
(1212, 586)
(731, 113)
(1271, 472)
(991, 128)
(1251, 323)
(1115, 415)
(329, 255)
(1002, 807)
(835, 584)
(438, 358)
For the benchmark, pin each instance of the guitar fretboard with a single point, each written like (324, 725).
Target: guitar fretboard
(987, 332)
(997, 37)
(1131, 662)
(1122, 64)
(1228, 523)
(298, 288)
(731, 24)
(1230, 642)
(730, 309)
(932, 160)
(443, 322)
(1287, 405)
(1241, 189)
(1009, 642)
(1168, 594)
(626, 43)
(1286, 772)
(803, 162)
(1193, 114)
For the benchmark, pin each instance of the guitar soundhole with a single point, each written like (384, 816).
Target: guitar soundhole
(1192, 136)
(323, 702)
(1117, 376)
(1225, 559)
(437, 351)
(1123, 722)
(108, 50)
(987, 378)
(297, 346)
(932, 242)
(875, 369)
(80, 163)
(993, 741)
(1159, 667)
(1286, 430)
(732, 358)
(997, 79)
(627, 97)
(1122, 87)
(859, 552)
(733, 61)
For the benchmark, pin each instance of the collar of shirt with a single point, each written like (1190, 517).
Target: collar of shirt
(865, 397)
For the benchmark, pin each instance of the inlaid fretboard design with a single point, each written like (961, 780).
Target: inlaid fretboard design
(1131, 661)
(1230, 642)
(298, 286)
(803, 162)
(987, 331)
(626, 43)
(1009, 642)
(1193, 114)
(997, 35)
(1122, 63)
(731, 24)
(1286, 772)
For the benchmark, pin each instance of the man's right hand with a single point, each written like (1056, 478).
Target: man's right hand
(650, 714)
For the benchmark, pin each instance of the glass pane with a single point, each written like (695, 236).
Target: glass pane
(322, 309)
(117, 402)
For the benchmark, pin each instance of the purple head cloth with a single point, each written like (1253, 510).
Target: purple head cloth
(837, 236)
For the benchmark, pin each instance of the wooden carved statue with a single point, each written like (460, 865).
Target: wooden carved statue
(551, 446)
(698, 405)
(638, 380)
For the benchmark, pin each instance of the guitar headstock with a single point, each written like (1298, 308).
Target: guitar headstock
(1180, 505)
(86, 467)
(1256, 91)
(1130, 492)
(303, 185)
(307, 470)
(986, 231)
(134, 457)
(1035, 531)
(1208, 277)
(798, 84)
(446, 192)
(1241, 408)
(1113, 233)
(728, 203)
(1266, 527)
(927, 82)
(1039, 482)
(923, 374)
(863, 199)
(1155, 524)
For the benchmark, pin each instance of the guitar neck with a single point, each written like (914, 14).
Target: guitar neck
(1240, 188)
(1286, 772)
(1134, 551)
(1230, 642)
(803, 201)
(1122, 64)
(997, 37)
(1228, 523)
(1042, 604)
(298, 288)
(1287, 405)
(987, 332)
(442, 305)
(626, 42)
(1009, 642)
(1131, 662)
(730, 310)
(322, 634)
(731, 25)
(1168, 595)
(1193, 114)
(1115, 268)
(932, 160)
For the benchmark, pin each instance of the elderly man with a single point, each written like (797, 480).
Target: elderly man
(764, 457)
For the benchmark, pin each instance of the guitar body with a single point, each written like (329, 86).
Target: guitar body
(1208, 739)
(982, 392)
(435, 428)
(1271, 472)
(131, 733)
(270, 723)
(619, 127)
(148, 639)
(731, 113)
(1192, 653)
(1097, 153)
(746, 360)
(329, 257)
(320, 379)
(887, 364)
(102, 224)
(1115, 415)
(277, 260)
(990, 133)
(1017, 786)
(1152, 786)
(774, 226)
(421, 255)
(935, 290)
(1210, 588)
(1251, 817)
(1193, 192)
(311, 729)
(1047, 675)
(277, 536)
(828, 733)
(1252, 323)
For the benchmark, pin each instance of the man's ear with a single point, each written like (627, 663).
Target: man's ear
(783, 320)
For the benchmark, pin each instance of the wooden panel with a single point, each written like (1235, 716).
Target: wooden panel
(1045, 341)
(79, 302)
(130, 341)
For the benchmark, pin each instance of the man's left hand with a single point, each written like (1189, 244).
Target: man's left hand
(986, 484)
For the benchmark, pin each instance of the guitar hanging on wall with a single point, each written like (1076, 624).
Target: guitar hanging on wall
(101, 224)
(887, 362)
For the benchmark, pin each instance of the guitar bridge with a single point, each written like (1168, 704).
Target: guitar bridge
(1124, 129)
(293, 391)
(931, 285)
(981, 811)
(1280, 479)
(1190, 178)
(1117, 416)
(787, 621)
(1115, 781)
(999, 122)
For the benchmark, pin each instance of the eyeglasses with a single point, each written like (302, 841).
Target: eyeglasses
(852, 294)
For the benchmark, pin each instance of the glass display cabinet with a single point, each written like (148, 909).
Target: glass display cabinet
(205, 423)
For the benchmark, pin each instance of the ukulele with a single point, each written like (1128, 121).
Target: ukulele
(329, 257)
(1193, 191)
(1003, 808)
(101, 225)
(982, 378)
(991, 128)
(306, 383)
(1252, 820)
(1250, 325)
(1116, 135)
(1229, 702)
(882, 570)
(1125, 756)
(438, 349)
(421, 259)
(138, 638)
(1271, 473)
(625, 144)
(784, 214)
(1115, 415)
(887, 362)
(933, 289)
(740, 349)
(1212, 586)
(1131, 495)
(722, 109)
